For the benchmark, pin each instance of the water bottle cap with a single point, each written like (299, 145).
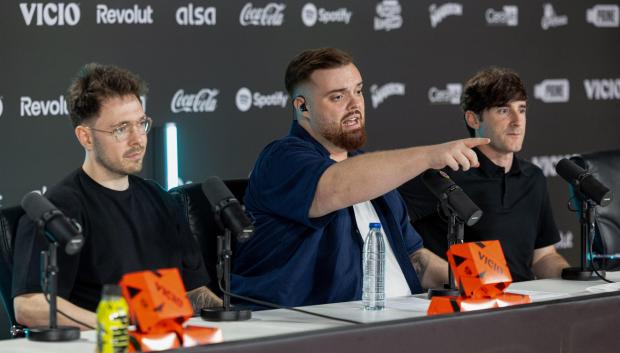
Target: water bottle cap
(112, 290)
(374, 225)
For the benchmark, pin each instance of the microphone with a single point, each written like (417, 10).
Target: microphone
(451, 196)
(227, 207)
(585, 182)
(58, 228)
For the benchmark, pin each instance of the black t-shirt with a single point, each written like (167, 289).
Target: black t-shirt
(516, 208)
(125, 231)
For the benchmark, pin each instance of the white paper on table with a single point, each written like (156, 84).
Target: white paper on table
(607, 287)
(409, 303)
(538, 296)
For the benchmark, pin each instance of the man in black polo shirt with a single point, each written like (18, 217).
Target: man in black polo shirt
(511, 192)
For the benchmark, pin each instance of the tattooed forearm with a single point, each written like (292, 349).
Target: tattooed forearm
(202, 297)
(431, 269)
(419, 260)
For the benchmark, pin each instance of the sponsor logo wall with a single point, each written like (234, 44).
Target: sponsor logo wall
(602, 89)
(205, 100)
(133, 15)
(216, 69)
(29, 107)
(245, 99)
(606, 16)
(380, 93)
(508, 15)
(192, 15)
(310, 15)
(272, 14)
(553, 90)
(388, 16)
(50, 14)
(440, 12)
(550, 19)
(451, 94)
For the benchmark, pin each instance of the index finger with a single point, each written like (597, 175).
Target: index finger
(476, 141)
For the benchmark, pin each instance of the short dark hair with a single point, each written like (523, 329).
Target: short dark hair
(308, 61)
(94, 84)
(491, 87)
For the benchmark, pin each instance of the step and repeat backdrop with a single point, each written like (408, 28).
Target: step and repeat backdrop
(216, 69)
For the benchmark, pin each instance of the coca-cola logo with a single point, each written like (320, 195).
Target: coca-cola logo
(203, 101)
(270, 15)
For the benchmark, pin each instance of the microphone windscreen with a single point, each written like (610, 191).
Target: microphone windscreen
(584, 182)
(437, 182)
(35, 205)
(569, 170)
(440, 184)
(215, 190)
(466, 209)
(58, 228)
(232, 214)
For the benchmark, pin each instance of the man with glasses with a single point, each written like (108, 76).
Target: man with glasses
(129, 224)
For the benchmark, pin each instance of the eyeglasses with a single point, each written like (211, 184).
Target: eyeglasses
(121, 133)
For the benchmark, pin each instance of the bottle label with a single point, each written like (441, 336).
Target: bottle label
(112, 326)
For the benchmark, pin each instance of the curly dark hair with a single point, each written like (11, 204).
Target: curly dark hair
(491, 87)
(94, 84)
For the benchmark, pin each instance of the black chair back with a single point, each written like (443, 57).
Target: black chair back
(9, 218)
(605, 166)
(202, 222)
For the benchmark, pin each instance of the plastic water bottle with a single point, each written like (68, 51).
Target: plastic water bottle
(112, 321)
(373, 292)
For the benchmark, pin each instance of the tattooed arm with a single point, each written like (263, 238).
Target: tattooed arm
(431, 269)
(203, 297)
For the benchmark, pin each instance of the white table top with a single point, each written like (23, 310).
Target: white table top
(276, 322)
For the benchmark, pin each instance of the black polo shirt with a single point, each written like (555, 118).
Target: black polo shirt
(516, 207)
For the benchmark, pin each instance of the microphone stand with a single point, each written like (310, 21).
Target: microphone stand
(49, 273)
(227, 312)
(585, 271)
(455, 236)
